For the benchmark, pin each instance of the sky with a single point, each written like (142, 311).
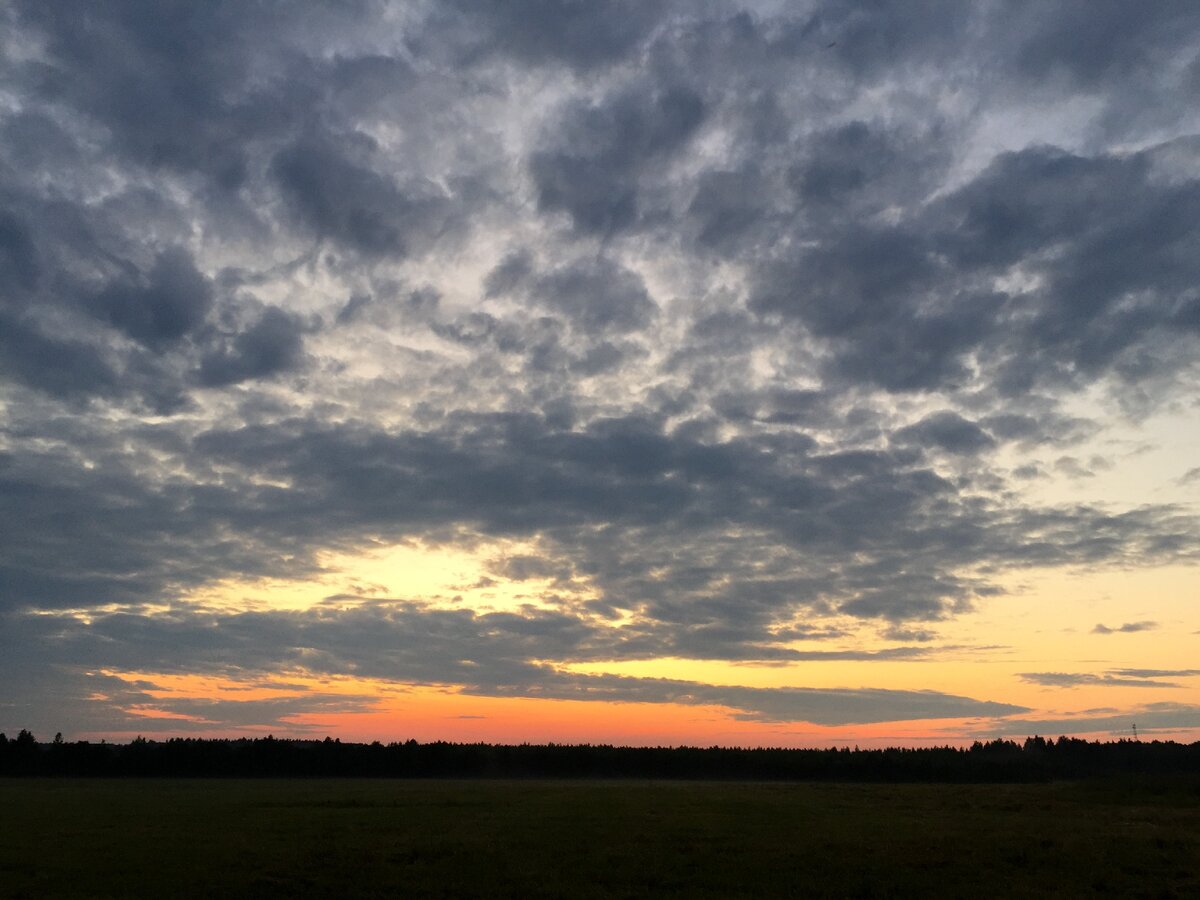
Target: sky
(648, 372)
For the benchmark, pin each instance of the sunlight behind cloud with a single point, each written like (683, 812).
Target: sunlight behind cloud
(485, 575)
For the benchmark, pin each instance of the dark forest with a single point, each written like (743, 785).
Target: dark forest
(1035, 759)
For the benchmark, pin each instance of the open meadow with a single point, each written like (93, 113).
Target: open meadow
(419, 838)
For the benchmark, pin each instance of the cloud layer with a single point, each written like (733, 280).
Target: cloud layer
(766, 323)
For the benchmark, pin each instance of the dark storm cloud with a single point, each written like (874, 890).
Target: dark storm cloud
(178, 87)
(599, 152)
(946, 430)
(72, 247)
(18, 254)
(884, 303)
(168, 81)
(1123, 264)
(730, 208)
(94, 315)
(511, 272)
(767, 532)
(273, 344)
(1093, 43)
(62, 368)
(903, 305)
(41, 344)
(581, 35)
(345, 200)
(867, 37)
(861, 168)
(598, 296)
(161, 306)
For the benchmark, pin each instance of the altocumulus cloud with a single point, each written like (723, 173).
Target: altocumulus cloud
(730, 309)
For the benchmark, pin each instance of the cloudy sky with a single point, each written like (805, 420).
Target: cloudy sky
(645, 372)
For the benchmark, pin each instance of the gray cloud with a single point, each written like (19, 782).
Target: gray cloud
(1148, 718)
(901, 633)
(345, 200)
(1032, 430)
(821, 707)
(599, 152)
(598, 296)
(582, 36)
(1112, 678)
(62, 368)
(769, 530)
(1127, 628)
(488, 654)
(272, 344)
(1155, 673)
(948, 431)
(904, 305)
(162, 306)
(160, 81)
(1091, 44)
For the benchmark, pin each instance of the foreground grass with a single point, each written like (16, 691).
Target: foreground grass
(198, 838)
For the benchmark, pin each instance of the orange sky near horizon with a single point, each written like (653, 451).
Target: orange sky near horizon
(1040, 627)
(445, 714)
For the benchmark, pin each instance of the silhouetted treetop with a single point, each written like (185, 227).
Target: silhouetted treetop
(1036, 759)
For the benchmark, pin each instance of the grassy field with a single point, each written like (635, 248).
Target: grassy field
(178, 838)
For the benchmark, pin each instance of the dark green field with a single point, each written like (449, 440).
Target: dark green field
(178, 838)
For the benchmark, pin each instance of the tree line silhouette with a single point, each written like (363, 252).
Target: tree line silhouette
(1035, 759)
